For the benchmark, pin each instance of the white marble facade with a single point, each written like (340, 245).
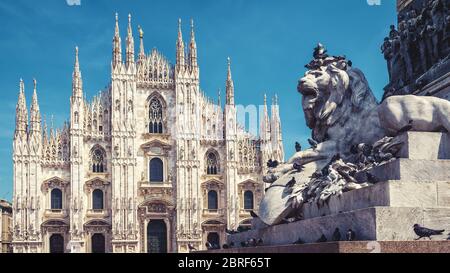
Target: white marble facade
(149, 165)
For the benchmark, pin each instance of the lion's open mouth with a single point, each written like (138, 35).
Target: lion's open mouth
(308, 89)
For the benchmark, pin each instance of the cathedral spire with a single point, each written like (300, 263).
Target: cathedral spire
(117, 45)
(276, 134)
(130, 43)
(35, 115)
(77, 81)
(229, 85)
(265, 125)
(192, 48)
(276, 123)
(21, 112)
(219, 98)
(141, 45)
(180, 47)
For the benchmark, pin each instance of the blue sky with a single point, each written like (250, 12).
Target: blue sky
(269, 43)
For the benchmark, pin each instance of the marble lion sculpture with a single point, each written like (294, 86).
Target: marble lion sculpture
(342, 111)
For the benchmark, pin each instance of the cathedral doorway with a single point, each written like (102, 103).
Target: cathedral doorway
(214, 240)
(156, 236)
(98, 243)
(56, 243)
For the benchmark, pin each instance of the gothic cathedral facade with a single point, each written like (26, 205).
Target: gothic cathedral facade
(148, 165)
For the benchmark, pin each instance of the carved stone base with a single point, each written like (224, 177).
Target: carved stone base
(350, 247)
(371, 224)
(414, 189)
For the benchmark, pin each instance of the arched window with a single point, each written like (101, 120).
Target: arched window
(214, 240)
(156, 170)
(212, 164)
(213, 201)
(155, 117)
(248, 200)
(97, 199)
(56, 243)
(98, 160)
(98, 243)
(56, 199)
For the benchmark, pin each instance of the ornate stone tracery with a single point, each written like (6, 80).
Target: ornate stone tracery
(212, 163)
(54, 183)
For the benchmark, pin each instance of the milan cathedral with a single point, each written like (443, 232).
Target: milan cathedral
(149, 165)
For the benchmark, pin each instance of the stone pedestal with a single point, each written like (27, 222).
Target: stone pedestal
(414, 189)
(349, 247)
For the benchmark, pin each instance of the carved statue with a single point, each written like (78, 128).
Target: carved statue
(181, 153)
(393, 33)
(421, 39)
(420, 48)
(141, 32)
(438, 16)
(405, 44)
(342, 112)
(386, 49)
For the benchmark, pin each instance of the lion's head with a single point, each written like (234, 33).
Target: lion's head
(332, 89)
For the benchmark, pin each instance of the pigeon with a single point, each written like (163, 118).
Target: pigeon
(299, 242)
(336, 235)
(225, 246)
(371, 178)
(298, 147)
(191, 247)
(351, 235)
(322, 239)
(313, 143)
(272, 164)
(260, 242)
(253, 214)
(442, 129)
(366, 149)
(209, 246)
(407, 128)
(423, 232)
(291, 183)
(326, 170)
(252, 242)
(298, 167)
